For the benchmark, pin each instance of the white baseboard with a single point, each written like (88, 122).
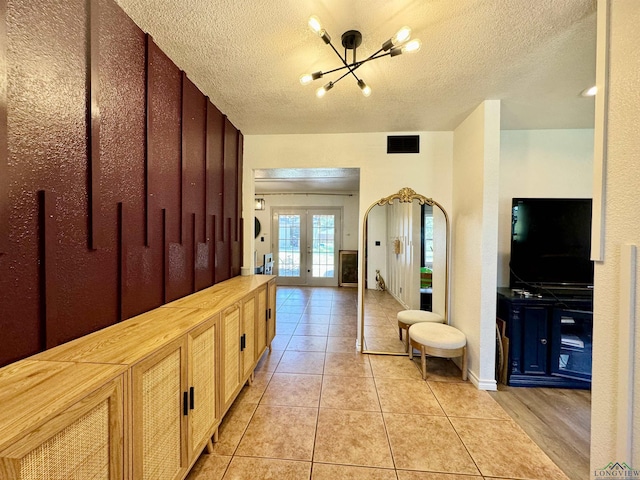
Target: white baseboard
(485, 384)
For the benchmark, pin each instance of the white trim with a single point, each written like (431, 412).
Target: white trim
(600, 133)
(626, 353)
(486, 384)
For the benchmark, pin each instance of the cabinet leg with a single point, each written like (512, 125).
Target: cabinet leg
(216, 435)
(251, 378)
(209, 447)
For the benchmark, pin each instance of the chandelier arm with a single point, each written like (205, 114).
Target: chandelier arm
(341, 77)
(334, 70)
(344, 61)
(373, 56)
(361, 62)
(356, 65)
(352, 67)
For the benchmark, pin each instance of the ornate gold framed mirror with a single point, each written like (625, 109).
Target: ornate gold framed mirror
(405, 248)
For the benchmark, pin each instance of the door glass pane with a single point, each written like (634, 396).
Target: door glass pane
(322, 253)
(574, 359)
(289, 245)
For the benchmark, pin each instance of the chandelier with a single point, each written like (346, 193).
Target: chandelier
(351, 40)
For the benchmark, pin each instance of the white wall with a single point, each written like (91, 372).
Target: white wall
(476, 163)
(615, 402)
(347, 203)
(381, 174)
(540, 163)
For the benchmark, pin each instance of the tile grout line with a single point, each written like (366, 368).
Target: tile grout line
(384, 423)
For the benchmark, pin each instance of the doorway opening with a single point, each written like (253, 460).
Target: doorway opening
(307, 216)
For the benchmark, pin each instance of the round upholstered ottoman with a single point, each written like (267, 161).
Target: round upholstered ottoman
(406, 318)
(438, 340)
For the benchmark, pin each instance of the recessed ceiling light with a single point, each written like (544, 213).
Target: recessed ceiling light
(589, 92)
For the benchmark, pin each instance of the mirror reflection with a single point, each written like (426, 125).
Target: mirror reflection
(406, 247)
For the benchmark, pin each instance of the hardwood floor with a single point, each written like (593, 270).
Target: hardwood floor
(558, 420)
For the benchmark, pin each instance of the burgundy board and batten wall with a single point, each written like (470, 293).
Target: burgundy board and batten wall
(120, 182)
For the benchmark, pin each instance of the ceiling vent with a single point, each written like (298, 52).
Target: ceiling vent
(403, 144)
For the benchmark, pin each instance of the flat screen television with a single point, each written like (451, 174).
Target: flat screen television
(551, 244)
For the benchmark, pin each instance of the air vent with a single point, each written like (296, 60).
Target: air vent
(403, 144)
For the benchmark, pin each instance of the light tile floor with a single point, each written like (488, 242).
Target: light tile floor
(318, 410)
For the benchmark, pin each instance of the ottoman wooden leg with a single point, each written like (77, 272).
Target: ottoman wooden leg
(464, 363)
(423, 359)
(400, 332)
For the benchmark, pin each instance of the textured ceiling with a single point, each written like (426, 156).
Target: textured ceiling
(307, 180)
(246, 55)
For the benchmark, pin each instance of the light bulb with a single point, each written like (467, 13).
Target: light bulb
(401, 36)
(366, 89)
(589, 92)
(314, 24)
(307, 78)
(323, 90)
(412, 46)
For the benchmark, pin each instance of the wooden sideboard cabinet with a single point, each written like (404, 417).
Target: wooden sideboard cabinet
(231, 359)
(204, 413)
(249, 336)
(262, 320)
(159, 424)
(61, 420)
(244, 340)
(166, 377)
(174, 404)
(271, 311)
(265, 317)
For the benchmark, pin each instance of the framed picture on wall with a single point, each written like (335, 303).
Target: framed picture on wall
(348, 268)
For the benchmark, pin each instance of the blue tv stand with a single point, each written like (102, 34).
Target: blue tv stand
(550, 339)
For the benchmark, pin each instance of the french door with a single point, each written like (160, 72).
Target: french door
(306, 244)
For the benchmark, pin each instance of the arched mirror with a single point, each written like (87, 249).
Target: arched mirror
(405, 244)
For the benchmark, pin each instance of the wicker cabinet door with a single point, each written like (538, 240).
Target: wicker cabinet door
(261, 322)
(159, 420)
(271, 311)
(249, 334)
(203, 415)
(230, 367)
(85, 441)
